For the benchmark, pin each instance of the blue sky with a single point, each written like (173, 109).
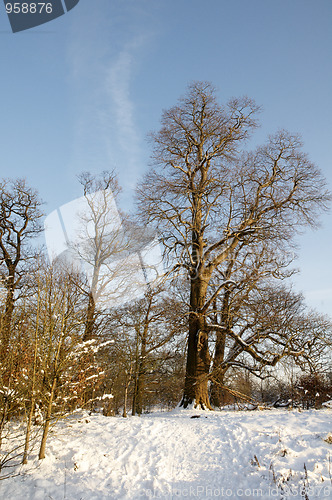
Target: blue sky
(81, 92)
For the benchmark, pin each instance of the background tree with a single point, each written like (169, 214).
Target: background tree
(67, 363)
(101, 239)
(20, 221)
(207, 197)
(153, 331)
(313, 390)
(272, 325)
(107, 245)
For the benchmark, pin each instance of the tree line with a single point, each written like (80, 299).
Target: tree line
(221, 318)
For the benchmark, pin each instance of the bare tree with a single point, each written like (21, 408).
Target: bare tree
(67, 363)
(154, 333)
(108, 246)
(20, 221)
(101, 236)
(271, 324)
(145, 354)
(253, 275)
(207, 197)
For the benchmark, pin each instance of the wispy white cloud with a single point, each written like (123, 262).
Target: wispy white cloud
(104, 65)
(118, 86)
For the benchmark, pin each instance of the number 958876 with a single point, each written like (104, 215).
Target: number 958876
(28, 8)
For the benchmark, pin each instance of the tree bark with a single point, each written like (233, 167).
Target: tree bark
(28, 432)
(124, 414)
(90, 318)
(218, 373)
(47, 422)
(8, 314)
(32, 401)
(217, 391)
(140, 380)
(4, 417)
(133, 408)
(198, 356)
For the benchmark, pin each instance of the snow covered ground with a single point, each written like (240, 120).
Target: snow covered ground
(168, 455)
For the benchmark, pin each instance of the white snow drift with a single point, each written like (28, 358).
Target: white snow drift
(228, 454)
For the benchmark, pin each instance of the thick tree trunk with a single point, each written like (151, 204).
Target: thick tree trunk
(140, 389)
(198, 357)
(4, 417)
(8, 314)
(217, 389)
(218, 393)
(217, 382)
(127, 382)
(140, 383)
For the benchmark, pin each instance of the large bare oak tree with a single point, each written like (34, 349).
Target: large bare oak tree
(209, 197)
